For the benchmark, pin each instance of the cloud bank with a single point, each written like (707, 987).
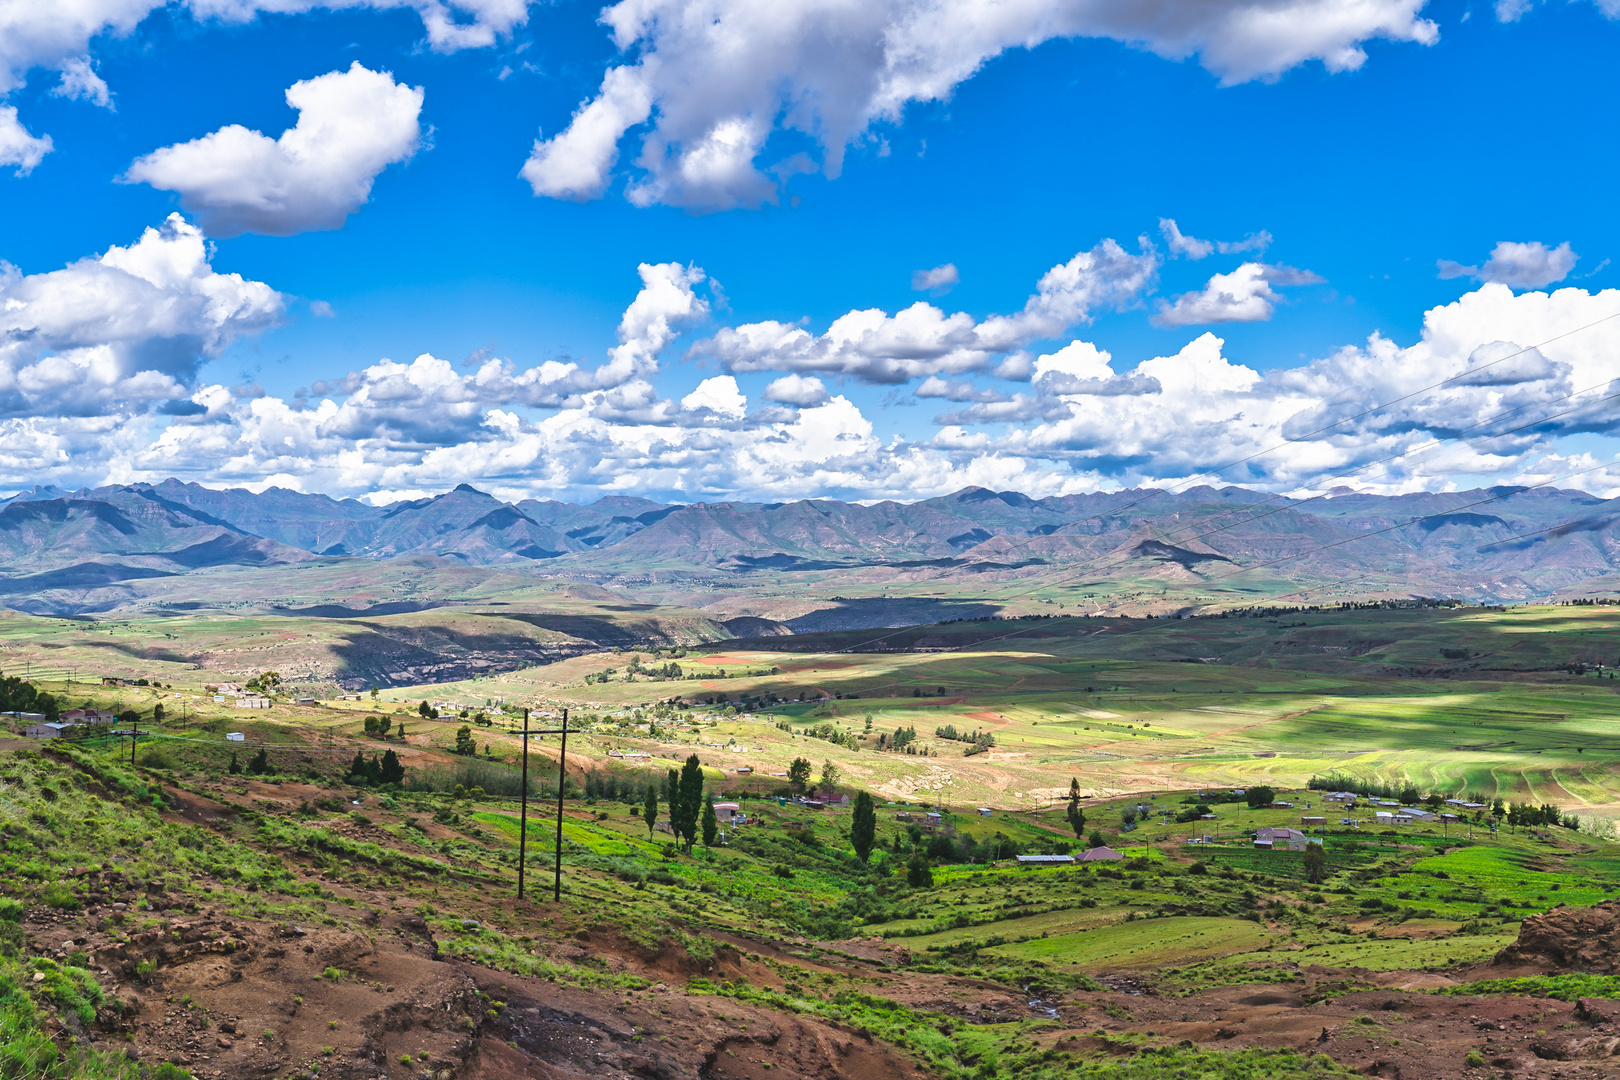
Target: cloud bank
(104, 377)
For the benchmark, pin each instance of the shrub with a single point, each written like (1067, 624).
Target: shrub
(333, 974)
(58, 895)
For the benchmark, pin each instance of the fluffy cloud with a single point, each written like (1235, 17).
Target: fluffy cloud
(351, 125)
(1523, 266)
(1193, 248)
(79, 80)
(98, 381)
(922, 340)
(719, 395)
(58, 36)
(715, 78)
(132, 326)
(939, 281)
(1502, 400)
(797, 390)
(18, 148)
(1244, 295)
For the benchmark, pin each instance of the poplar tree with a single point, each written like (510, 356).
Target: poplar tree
(649, 812)
(863, 832)
(1076, 816)
(688, 802)
(711, 823)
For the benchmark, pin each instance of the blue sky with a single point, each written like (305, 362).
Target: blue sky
(1461, 128)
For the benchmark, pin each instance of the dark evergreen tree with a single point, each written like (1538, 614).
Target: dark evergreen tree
(688, 804)
(649, 811)
(391, 771)
(710, 823)
(235, 767)
(259, 764)
(863, 830)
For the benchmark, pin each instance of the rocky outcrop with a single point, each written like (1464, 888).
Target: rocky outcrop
(1572, 939)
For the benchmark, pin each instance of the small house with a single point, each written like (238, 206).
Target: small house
(253, 702)
(235, 736)
(1312, 822)
(1046, 860)
(727, 812)
(1100, 854)
(744, 770)
(110, 680)
(53, 729)
(306, 701)
(985, 811)
(1279, 840)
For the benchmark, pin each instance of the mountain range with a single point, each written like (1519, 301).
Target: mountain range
(1493, 544)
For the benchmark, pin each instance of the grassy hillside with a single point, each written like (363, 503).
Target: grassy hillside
(168, 915)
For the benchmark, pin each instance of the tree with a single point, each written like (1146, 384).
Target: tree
(711, 823)
(649, 812)
(425, 711)
(371, 725)
(157, 713)
(383, 724)
(918, 876)
(829, 775)
(268, 680)
(688, 804)
(1261, 796)
(798, 773)
(374, 695)
(863, 831)
(1315, 863)
(1076, 816)
(672, 785)
(357, 768)
(464, 742)
(1096, 839)
(391, 771)
(235, 768)
(259, 763)
(400, 731)
(1498, 809)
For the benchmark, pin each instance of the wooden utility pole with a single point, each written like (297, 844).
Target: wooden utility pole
(523, 821)
(133, 734)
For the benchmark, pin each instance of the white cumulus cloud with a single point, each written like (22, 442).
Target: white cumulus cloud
(131, 326)
(797, 390)
(922, 340)
(19, 149)
(1523, 266)
(715, 78)
(1244, 295)
(720, 395)
(351, 125)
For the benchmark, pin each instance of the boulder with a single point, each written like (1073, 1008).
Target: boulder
(1572, 939)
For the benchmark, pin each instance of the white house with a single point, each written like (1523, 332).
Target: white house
(727, 812)
(235, 736)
